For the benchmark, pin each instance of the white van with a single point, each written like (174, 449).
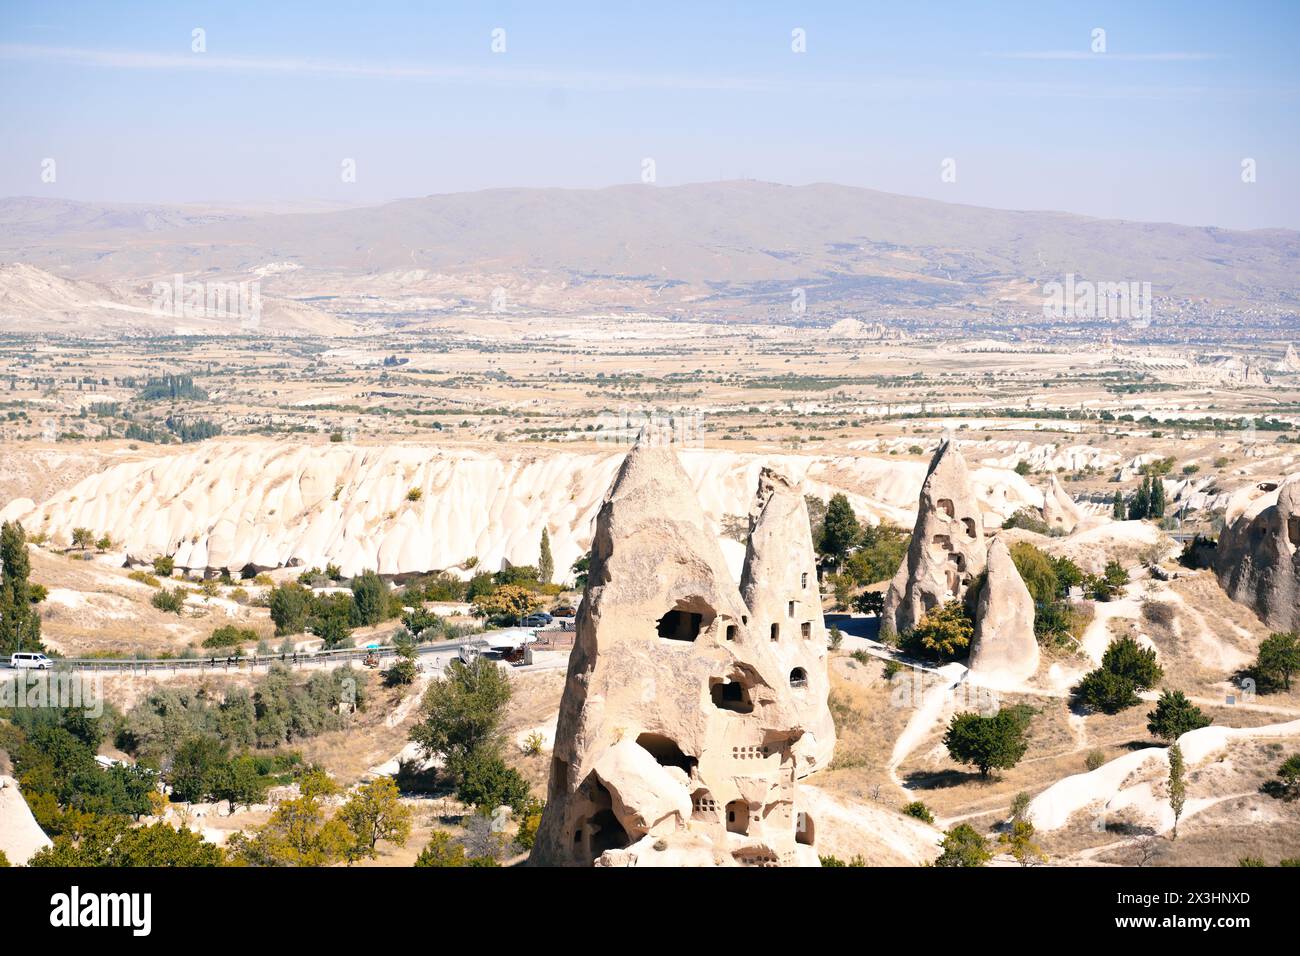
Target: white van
(30, 661)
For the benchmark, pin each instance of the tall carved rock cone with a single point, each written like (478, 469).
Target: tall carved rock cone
(677, 738)
(1291, 360)
(1258, 556)
(947, 550)
(1059, 510)
(1004, 651)
(779, 585)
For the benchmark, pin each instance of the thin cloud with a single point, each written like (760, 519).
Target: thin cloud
(1171, 57)
(290, 66)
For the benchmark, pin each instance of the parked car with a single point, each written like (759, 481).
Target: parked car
(29, 661)
(541, 619)
(564, 610)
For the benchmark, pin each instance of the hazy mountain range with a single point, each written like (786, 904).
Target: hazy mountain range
(713, 248)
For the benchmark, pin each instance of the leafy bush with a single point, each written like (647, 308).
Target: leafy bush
(1175, 715)
(964, 846)
(164, 566)
(144, 577)
(989, 743)
(1278, 659)
(920, 811)
(944, 633)
(230, 636)
(170, 601)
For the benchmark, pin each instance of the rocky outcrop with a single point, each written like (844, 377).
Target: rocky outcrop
(1291, 360)
(678, 736)
(1004, 651)
(234, 503)
(947, 550)
(20, 835)
(1258, 556)
(779, 586)
(1059, 510)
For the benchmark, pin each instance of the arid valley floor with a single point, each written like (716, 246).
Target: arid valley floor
(448, 446)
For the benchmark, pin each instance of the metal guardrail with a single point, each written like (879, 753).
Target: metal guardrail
(251, 661)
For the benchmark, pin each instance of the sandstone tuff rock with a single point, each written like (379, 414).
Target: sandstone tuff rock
(672, 692)
(947, 550)
(1258, 557)
(1004, 650)
(1059, 510)
(779, 585)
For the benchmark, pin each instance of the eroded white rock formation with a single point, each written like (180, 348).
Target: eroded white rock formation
(228, 504)
(779, 586)
(1059, 510)
(947, 551)
(678, 739)
(1004, 650)
(1258, 556)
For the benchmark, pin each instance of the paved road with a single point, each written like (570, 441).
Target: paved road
(435, 654)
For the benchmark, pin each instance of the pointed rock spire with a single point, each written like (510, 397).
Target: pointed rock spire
(1059, 509)
(779, 586)
(1004, 650)
(947, 550)
(679, 729)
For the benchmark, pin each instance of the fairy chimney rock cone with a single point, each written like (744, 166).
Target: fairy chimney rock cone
(1059, 510)
(947, 550)
(1004, 650)
(678, 739)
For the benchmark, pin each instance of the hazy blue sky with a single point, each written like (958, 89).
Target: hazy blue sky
(1154, 128)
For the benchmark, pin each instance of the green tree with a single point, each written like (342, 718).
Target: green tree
(289, 605)
(1177, 784)
(164, 565)
(111, 841)
(1287, 784)
(299, 833)
(487, 782)
(581, 568)
(918, 810)
(404, 669)
(989, 743)
(370, 599)
(441, 850)
(238, 781)
(1019, 841)
(1127, 658)
(944, 633)
(1117, 509)
(963, 846)
(1140, 505)
(20, 624)
(881, 549)
(545, 563)
(462, 711)
(840, 530)
(1175, 715)
(83, 538)
(1037, 571)
(331, 616)
(1156, 508)
(1278, 659)
(509, 603)
(195, 770)
(374, 812)
(1105, 691)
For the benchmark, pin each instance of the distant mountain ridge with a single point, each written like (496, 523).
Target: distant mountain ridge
(747, 243)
